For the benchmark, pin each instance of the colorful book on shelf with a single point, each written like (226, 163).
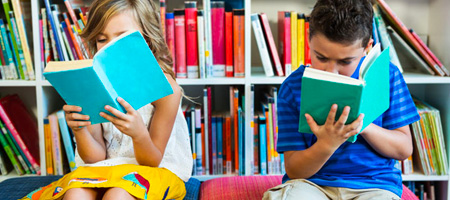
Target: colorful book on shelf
(5, 164)
(180, 43)
(170, 37)
(15, 47)
(201, 44)
(191, 39)
(229, 69)
(48, 147)
(294, 41)
(398, 25)
(301, 39)
(64, 130)
(284, 39)
(369, 94)
(218, 37)
(105, 78)
(21, 158)
(262, 47)
(276, 63)
(208, 38)
(262, 143)
(57, 40)
(9, 151)
(239, 42)
(23, 127)
(72, 15)
(162, 15)
(56, 144)
(424, 46)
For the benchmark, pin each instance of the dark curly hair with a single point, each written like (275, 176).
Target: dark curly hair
(342, 21)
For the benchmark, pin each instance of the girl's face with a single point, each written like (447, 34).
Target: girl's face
(117, 25)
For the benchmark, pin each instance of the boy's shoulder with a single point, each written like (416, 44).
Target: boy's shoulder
(295, 78)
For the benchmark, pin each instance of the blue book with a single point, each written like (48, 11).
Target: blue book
(125, 67)
(262, 144)
(66, 139)
(219, 138)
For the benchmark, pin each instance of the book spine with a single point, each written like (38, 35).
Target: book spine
(219, 127)
(191, 39)
(198, 139)
(180, 43)
(294, 41)
(18, 139)
(214, 144)
(193, 139)
(301, 38)
(206, 129)
(72, 37)
(70, 44)
(255, 164)
(236, 129)
(239, 44)
(208, 38)
(10, 153)
(24, 163)
(229, 70)
(263, 51)
(218, 37)
(56, 29)
(53, 45)
(22, 35)
(72, 15)
(438, 62)
(53, 25)
(271, 45)
(210, 131)
(241, 141)
(21, 59)
(56, 144)
(48, 147)
(66, 44)
(6, 48)
(228, 155)
(201, 44)
(284, 31)
(307, 54)
(66, 139)
(13, 42)
(41, 45)
(398, 25)
(170, 38)
(4, 69)
(262, 144)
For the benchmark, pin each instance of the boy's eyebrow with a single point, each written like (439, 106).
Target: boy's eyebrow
(348, 58)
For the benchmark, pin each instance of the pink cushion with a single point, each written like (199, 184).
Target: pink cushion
(251, 187)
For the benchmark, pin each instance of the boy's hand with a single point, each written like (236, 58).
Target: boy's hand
(334, 133)
(74, 119)
(129, 123)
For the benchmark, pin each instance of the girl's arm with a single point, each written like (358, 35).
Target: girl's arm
(149, 142)
(396, 144)
(90, 143)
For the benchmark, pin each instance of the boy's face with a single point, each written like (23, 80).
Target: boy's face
(335, 57)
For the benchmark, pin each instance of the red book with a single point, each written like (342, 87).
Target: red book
(23, 127)
(180, 43)
(438, 62)
(218, 37)
(229, 72)
(72, 37)
(236, 129)
(239, 42)
(227, 140)
(307, 53)
(408, 37)
(191, 39)
(271, 44)
(284, 39)
(170, 37)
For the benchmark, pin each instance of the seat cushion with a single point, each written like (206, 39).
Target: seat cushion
(252, 187)
(16, 188)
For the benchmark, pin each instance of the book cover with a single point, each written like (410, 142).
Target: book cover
(218, 38)
(301, 39)
(180, 43)
(64, 130)
(22, 126)
(208, 38)
(201, 44)
(262, 143)
(170, 37)
(263, 51)
(14, 45)
(369, 94)
(206, 127)
(191, 39)
(125, 68)
(239, 43)
(48, 147)
(284, 40)
(229, 69)
(56, 144)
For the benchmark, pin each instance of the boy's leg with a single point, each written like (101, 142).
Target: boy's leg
(367, 194)
(299, 189)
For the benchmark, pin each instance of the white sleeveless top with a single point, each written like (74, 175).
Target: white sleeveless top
(119, 147)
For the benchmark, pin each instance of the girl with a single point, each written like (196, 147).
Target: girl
(142, 153)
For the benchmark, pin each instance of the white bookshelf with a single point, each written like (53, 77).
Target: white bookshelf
(41, 98)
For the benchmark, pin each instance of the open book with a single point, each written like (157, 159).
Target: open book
(125, 67)
(369, 94)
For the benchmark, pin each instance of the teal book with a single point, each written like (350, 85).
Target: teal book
(369, 94)
(125, 67)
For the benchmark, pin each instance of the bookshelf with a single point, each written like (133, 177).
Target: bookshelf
(42, 99)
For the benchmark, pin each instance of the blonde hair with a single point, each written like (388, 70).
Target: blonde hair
(145, 14)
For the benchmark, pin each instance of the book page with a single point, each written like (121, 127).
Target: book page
(56, 66)
(332, 77)
(370, 58)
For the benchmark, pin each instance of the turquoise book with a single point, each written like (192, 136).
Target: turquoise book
(369, 94)
(125, 67)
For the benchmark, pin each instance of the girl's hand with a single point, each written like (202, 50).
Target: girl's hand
(334, 133)
(75, 120)
(129, 123)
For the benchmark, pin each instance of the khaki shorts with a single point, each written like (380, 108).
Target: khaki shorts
(304, 189)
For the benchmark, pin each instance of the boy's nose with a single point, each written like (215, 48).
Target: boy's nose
(332, 67)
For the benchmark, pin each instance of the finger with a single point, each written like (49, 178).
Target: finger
(126, 105)
(351, 133)
(116, 112)
(78, 124)
(343, 118)
(112, 119)
(357, 124)
(332, 115)
(71, 108)
(77, 116)
(312, 123)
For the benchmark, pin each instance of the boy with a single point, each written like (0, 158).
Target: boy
(322, 165)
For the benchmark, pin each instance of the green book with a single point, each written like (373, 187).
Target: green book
(369, 94)
(11, 155)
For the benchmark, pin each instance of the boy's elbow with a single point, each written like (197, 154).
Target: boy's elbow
(405, 154)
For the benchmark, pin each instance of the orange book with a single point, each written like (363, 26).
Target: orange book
(236, 129)
(229, 44)
(48, 147)
(239, 43)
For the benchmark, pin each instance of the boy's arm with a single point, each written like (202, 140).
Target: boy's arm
(396, 144)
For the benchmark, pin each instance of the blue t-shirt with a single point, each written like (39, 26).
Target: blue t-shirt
(353, 165)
